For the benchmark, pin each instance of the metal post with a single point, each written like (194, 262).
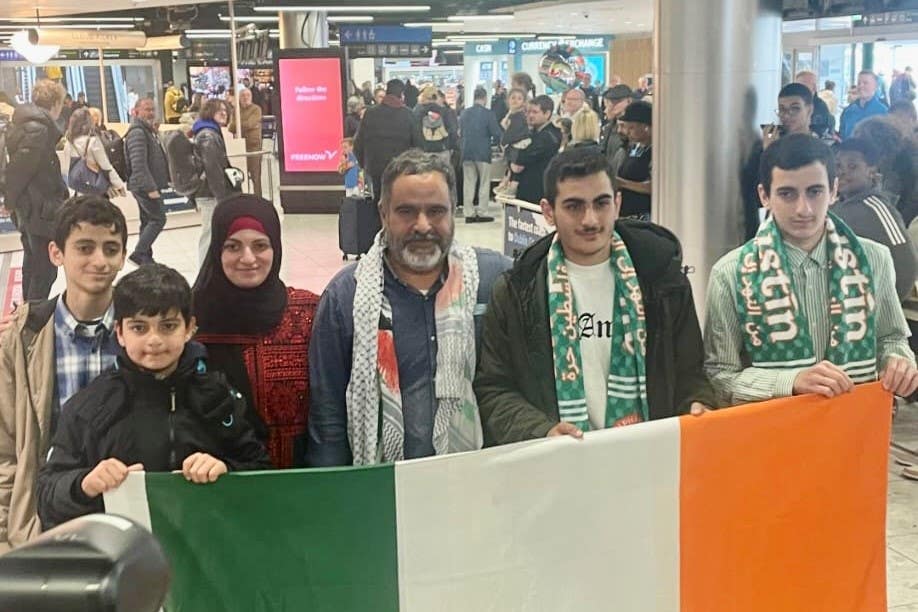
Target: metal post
(102, 83)
(234, 68)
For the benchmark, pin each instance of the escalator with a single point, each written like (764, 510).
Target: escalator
(94, 90)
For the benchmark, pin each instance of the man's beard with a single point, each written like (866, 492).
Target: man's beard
(400, 249)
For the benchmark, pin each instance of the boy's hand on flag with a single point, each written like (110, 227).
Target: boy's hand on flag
(201, 468)
(107, 475)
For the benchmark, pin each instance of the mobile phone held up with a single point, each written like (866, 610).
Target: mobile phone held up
(768, 126)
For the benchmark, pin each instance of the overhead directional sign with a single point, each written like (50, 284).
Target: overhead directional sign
(385, 34)
(389, 50)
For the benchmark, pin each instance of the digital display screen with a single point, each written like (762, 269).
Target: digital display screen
(212, 81)
(312, 113)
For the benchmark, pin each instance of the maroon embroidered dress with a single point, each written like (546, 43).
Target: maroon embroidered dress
(278, 374)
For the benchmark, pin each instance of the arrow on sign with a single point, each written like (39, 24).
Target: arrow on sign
(425, 49)
(347, 34)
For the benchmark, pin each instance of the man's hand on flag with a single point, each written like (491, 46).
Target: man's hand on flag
(824, 378)
(899, 376)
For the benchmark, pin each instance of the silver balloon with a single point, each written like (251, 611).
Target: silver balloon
(562, 67)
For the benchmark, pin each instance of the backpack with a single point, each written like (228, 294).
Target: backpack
(114, 149)
(434, 130)
(185, 169)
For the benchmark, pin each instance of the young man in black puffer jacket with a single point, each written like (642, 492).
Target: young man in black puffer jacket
(158, 409)
(595, 325)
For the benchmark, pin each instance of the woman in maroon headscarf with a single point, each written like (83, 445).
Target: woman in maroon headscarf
(255, 328)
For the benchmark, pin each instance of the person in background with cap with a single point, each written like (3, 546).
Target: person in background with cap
(615, 100)
(634, 174)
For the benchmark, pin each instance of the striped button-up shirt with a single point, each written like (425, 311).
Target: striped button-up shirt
(81, 350)
(728, 364)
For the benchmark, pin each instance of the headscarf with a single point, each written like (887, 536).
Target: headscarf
(220, 306)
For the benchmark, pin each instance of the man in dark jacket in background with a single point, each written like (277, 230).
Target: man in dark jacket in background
(559, 357)
(387, 130)
(546, 140)
(479, 129)
(611, 141)
(35, 190)
(210, 153)
(149, 175)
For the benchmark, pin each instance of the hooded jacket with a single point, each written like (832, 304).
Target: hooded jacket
(35, 189)
(450, 124)
(515, 383)
(131, 415)
(210, 149)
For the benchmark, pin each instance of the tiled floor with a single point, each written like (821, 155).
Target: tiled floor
(311, 258)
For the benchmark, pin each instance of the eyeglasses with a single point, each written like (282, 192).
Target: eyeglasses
(793, 111)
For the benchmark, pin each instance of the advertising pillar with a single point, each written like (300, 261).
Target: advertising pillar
(311, 125)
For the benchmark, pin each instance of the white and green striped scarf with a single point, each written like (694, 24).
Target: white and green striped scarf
(626, 386)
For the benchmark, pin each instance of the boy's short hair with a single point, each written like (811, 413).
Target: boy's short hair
(795, 151)
(545, 103)
(862, 146)
(90, 209)
(577, 162)
(348, 140)
(797, 90)
(150, 290)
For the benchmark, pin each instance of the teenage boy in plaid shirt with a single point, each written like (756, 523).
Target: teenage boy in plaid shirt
(53, 348)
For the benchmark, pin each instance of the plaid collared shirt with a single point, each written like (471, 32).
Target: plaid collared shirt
(81, 350)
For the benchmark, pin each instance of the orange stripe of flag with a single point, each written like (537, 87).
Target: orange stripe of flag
(783, 505)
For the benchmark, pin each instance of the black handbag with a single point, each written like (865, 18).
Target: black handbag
(83, 179)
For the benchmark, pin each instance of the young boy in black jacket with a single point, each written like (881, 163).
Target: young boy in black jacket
(158, 409)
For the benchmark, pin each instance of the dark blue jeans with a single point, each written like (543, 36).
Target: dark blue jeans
(152, 222)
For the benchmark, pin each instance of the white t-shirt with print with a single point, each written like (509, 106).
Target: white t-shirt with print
(594, 293)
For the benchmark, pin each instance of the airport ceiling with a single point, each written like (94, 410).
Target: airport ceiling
(618, 17)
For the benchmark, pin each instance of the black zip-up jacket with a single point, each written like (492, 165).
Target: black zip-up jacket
(515, 384)
(34, 187)
(130, 415)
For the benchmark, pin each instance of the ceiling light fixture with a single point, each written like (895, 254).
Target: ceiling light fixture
(388, 8)
(35, 54)
(473, 38)
(251, 19)
(480, 18)
(98, 26)
(432, 24)
(30, 20)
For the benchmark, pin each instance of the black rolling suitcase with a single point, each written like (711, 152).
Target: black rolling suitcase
(358, 224)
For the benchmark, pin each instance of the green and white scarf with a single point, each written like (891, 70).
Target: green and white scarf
(776, 332)
(626, 387)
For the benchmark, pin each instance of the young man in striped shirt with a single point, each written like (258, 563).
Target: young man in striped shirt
(866, 209)
(806, 306)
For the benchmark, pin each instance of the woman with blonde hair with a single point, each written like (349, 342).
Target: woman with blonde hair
(584, 128)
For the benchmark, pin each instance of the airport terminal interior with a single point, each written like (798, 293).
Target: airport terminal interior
(290, 86)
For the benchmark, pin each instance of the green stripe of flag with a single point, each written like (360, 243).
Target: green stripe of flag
(272, 541)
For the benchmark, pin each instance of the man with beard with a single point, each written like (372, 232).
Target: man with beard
(395, 338)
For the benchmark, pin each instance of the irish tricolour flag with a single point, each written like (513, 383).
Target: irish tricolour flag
(773, 507)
